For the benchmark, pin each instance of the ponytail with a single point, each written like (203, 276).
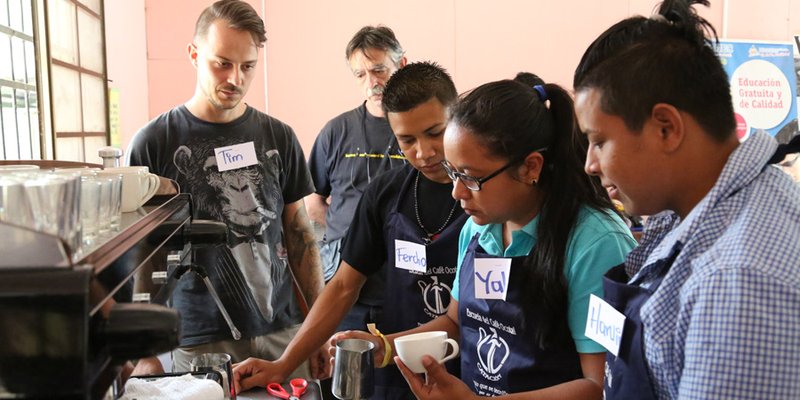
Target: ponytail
(681, 16)
(566, 188)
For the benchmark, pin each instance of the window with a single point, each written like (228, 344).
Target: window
(19, 103)
(64, 78)
(78, 78)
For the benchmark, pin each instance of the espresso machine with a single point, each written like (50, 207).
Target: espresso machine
(67, 328)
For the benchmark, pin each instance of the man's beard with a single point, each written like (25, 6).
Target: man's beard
(217, 103)
(375, 90)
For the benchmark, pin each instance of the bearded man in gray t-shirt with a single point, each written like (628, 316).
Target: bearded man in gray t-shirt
(356, 146)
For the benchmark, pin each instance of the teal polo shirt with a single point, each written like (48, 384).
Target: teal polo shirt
(599, 241)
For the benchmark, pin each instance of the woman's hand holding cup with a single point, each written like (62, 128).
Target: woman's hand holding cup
(411, 348)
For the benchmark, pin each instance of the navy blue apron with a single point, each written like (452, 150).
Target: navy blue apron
(627, 374)
(413, 298)
(498, 353)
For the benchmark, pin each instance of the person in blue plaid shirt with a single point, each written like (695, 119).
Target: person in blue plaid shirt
(711, 297)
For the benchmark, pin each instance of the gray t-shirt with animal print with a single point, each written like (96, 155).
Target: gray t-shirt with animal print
(250, 271)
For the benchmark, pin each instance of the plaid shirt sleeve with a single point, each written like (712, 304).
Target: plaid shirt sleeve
(725, 321)
(742, 337)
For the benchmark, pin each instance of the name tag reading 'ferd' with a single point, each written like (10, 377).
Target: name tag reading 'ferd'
(604, 324)
(410, 256)
(491, 278)
(236, 156)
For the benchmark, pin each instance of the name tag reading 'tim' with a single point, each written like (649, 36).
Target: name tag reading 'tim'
(491, 278)
(410, 256)
(236, 156)
(604, 324)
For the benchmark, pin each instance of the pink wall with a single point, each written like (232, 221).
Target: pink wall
(126, 55)
(765, 19)
(308, 81)
(476, 40)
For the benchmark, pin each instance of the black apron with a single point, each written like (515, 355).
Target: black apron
(498, 354)
(412, 298)
(627, 374)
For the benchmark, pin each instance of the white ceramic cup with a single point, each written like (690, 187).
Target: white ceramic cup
(412, 347)
(138, 186)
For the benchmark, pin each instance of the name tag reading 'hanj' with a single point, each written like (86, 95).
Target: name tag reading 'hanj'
(491, 278)
(604, 324)
(236, 156)
(410, 256)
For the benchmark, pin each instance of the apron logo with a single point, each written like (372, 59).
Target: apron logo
(609, 376)
(492, 353)
(435, 295)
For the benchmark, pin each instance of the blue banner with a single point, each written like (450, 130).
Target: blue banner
(763, 85)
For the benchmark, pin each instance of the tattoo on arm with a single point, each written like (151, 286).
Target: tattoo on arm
(303, 253)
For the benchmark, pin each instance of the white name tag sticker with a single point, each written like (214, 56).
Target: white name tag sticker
(491, 278)
(410, 256)
(604, 324)
(236, 156)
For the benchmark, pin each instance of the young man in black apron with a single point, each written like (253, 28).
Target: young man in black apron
(708, 306)
(406, 226)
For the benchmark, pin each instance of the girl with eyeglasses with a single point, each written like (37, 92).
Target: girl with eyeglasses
(541, 235)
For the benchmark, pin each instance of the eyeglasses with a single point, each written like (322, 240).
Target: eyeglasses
(471, 182)
(474, 183)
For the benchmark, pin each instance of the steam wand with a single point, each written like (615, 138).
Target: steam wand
(201, 272)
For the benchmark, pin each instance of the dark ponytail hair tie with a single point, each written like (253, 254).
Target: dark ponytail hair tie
(542, 93)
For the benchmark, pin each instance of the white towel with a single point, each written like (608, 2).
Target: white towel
(184, 387)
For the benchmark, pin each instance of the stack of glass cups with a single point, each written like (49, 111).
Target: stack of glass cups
(113, 211)
(55, 203)
(90, 204)
(14, 206)
(100, 205)
(80, 206)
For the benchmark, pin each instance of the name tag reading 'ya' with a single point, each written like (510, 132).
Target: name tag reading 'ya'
(491, 278)
(410, 256)
(604, 324)
(236, 156)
